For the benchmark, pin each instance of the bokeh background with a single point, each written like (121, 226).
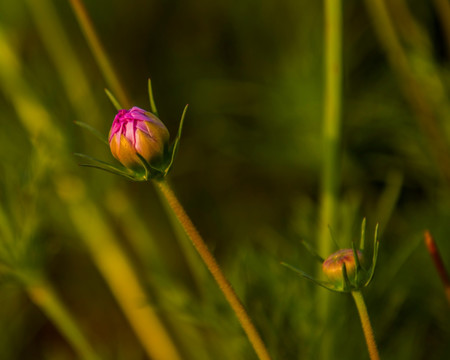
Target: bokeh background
(248, 173)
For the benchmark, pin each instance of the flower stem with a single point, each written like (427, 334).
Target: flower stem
(214, 269)
(45, 297)
(367, 327)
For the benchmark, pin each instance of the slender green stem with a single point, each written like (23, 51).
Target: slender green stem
(46, 298)
(367, 327)
(330, 144)
(215, 270)
(331, 122)
(99, 52)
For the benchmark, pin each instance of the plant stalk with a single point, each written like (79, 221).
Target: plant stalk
(99, 52)
(214, 269)
(331, 122)
(367, 327)
(330, 145)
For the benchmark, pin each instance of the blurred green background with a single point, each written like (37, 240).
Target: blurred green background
(248, 173)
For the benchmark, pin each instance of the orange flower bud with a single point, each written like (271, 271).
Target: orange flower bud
(332, 266)
(137, 131)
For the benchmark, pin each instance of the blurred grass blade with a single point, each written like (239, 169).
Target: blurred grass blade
(388, 199)
(98, 51)
(65, 58)
(415, 90)
(46, 298)
(438, 263)
(117, 270)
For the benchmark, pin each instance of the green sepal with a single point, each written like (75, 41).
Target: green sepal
(376, 245)
(358, 268)
(93, 131)
(312, 251)
(153, 108)
(176, 143)
(102, 165)
(324, 284)
(151, 172)
(363, 235)
(333, 238)
(347, 286)
(111, 170)
(113, 100)
(146, 166)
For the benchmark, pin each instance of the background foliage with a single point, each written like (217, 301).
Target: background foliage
(247, 173)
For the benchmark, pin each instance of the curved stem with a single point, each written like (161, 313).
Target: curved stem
(367, 327)
(214, 269)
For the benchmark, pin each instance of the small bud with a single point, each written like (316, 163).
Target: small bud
(332, 266)
(354, 275)
(137, 131)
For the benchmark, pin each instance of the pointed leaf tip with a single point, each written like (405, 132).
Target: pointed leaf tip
(176, 143)
(312, 251)
(92, 130)
(113, 100)
(151, 98)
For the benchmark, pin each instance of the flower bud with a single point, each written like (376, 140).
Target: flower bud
(137, 131)
(332, 266)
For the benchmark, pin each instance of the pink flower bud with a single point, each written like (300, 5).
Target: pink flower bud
(137, 131)
(332, 266)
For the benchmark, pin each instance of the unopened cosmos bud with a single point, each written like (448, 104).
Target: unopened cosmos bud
(332, 266)
(137, 131)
